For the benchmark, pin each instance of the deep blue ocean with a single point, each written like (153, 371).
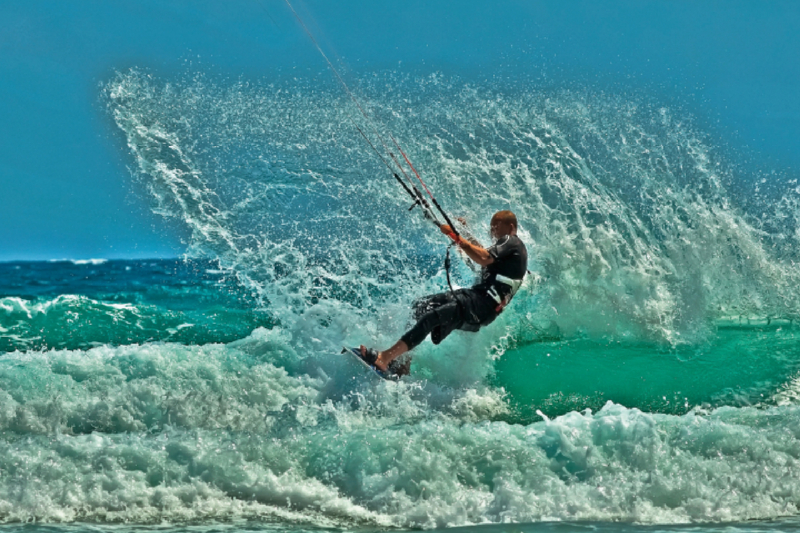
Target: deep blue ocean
(646, 377)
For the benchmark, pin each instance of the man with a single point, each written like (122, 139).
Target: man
(504, 265)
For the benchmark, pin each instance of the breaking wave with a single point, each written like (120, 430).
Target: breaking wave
(646, 373)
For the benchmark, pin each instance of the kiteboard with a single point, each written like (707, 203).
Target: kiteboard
(355, 353)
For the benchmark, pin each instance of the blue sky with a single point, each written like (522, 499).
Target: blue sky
(65, 191)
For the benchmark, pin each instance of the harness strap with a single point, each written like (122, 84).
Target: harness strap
(513, 284)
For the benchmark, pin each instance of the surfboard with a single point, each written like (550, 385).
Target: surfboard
(355, 353)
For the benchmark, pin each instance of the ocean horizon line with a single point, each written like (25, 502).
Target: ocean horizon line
(98, 260)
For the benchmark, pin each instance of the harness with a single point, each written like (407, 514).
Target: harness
(513, 284)
(502, 302)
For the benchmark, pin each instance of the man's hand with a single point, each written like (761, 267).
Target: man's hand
(447, 230)
(474, 251)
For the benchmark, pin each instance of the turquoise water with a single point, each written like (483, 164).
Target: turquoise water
(739, 365)
(644, 379)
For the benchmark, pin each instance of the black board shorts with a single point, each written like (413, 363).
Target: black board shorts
(440, 314)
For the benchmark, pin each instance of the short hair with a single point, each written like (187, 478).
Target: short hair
(507, 217)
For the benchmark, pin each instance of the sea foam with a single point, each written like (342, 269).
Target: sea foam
(252, 430)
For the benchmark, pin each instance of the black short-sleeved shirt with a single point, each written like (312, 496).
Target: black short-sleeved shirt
(510, 260)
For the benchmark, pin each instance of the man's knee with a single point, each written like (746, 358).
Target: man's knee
(425, 324)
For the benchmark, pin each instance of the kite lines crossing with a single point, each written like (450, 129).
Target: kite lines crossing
(406, 182)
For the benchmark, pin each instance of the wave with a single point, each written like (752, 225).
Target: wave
(624, 206)
(741, 365)
(81, 261)
(167, 432)
(646, 268)
(78, 322)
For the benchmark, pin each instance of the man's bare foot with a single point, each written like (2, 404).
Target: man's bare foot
(380, 365)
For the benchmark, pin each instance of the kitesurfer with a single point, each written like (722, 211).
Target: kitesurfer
(504, 265)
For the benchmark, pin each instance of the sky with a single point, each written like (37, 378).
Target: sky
(65, 187)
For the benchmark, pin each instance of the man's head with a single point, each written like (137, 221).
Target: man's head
(503, 223)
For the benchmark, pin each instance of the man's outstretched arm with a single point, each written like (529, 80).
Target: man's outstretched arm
(477, 253)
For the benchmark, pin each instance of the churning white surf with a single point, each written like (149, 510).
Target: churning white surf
(625, 207)
(245, 430)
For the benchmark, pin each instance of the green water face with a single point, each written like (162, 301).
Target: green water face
(78, 322)
(739, 365)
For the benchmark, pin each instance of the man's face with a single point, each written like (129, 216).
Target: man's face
(500, 228)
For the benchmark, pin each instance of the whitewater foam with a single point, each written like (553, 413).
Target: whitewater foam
(623, 205)
(174, 433)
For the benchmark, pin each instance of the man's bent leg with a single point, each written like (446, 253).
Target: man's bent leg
(426, 304)
(413, 337)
